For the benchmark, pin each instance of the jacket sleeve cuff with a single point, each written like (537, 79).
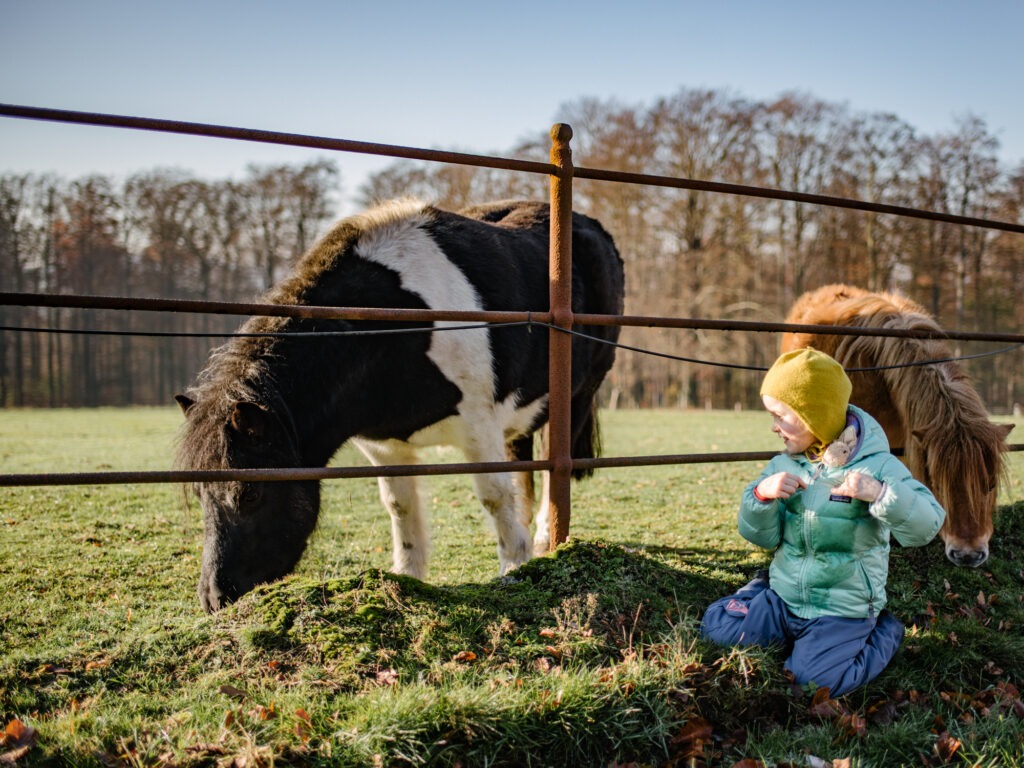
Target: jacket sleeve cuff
(883, 506)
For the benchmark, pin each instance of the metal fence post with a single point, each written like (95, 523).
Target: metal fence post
(560, 349)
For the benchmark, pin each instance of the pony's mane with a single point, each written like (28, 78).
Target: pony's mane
(362, 232)
(938, 396)
(234, 373)
(938, 399)
(241, 369)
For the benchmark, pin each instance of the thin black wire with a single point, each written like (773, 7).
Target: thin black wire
(477, 326)
(737, 366)
(266, 335)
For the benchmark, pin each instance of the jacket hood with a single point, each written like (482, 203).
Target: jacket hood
(871, 437)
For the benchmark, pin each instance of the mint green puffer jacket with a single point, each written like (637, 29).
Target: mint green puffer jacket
(832, 553)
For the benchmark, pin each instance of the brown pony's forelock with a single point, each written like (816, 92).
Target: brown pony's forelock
(983, 456)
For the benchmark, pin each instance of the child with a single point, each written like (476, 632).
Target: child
(829, 526)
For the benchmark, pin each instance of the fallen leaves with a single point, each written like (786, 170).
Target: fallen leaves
(17, 739)
(692, 742)
(232, 692)
(850, 724)
(817, 762)
(303, 725)
(999, 700)
(946, 747)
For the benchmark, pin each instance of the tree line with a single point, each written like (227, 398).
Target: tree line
(162, 234)
(687, 253)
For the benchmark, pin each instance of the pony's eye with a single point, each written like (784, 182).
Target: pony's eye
(251, 493)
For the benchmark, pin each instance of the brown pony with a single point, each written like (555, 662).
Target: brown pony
(930, 411)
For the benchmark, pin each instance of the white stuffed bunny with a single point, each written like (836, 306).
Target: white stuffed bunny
(838, 451)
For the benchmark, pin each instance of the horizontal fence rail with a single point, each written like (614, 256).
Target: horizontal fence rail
(292, 474)
(412, 315)
(502, 163)
(271, 137)
(796, 197)
(286, 474)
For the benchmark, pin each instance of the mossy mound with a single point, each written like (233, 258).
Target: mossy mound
(584, 603)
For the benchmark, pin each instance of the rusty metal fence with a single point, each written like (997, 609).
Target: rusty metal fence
(559, 319)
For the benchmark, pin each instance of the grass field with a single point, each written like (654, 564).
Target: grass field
(587, 657)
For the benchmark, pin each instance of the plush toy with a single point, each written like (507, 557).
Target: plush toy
(838, 451)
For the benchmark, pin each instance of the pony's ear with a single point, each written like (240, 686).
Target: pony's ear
(1005, 429)
(185, 402)
(249, 419)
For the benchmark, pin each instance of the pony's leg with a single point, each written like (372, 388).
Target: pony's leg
(521, 449)
(497, 493)
(400, 495)
(542, 534)
(527, 502)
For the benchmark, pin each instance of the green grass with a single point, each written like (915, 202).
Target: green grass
(586, 657)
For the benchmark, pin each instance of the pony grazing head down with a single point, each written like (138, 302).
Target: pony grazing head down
(977, 446)
(255, 532)
(288, 392)
(925, 403)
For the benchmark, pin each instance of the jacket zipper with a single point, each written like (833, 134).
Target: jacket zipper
(871, 591)
(807, 559)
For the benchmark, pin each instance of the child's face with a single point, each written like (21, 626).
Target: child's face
(786, 424)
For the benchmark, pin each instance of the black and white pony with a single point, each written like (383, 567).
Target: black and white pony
(290, 400)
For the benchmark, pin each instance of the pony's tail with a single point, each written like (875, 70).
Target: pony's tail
(598, 286)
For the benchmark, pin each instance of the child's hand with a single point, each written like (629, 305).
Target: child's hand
(858, 485)
(781, 485)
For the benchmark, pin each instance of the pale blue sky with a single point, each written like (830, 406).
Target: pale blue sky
(472, 76)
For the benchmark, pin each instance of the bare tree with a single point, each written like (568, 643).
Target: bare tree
(877, 165)
(287, 205)
(798, 137)
(90, 256)
(13, 265)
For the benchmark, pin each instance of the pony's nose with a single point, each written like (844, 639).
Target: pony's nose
(212, 600)
(214, 596)
(967, 558)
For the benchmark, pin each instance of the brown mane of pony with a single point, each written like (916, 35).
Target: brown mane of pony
(937, 402)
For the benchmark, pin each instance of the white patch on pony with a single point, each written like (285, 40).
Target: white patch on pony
(397, 240)
(402, 245)
(517, 417)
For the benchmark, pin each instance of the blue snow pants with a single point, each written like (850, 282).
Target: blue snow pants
(832, 652)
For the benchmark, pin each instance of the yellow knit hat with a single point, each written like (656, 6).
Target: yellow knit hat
(815, 386)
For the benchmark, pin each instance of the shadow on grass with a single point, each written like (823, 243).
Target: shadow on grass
(599, 596)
